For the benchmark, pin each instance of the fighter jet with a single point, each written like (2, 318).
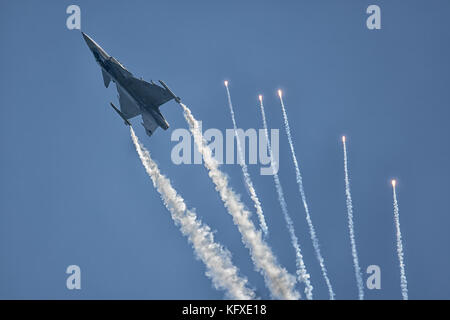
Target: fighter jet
(136, 96)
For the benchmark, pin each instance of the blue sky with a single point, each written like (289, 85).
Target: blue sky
(73, 191)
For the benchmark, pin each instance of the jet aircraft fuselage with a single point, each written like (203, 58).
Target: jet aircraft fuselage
(136, 96)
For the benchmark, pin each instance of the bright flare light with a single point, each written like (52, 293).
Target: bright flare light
(394, 182)
(280, 93)
(343, 138)
(260, 97)
(226, 83)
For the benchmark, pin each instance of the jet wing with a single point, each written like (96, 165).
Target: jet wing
(128, 107)
(152, 94)
(149, 124)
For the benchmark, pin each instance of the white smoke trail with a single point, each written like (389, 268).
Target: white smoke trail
(312, 232)
(302, 274)
(217, 259)
(351, 229)
(247, 179)
(403, 282)
(280, 283)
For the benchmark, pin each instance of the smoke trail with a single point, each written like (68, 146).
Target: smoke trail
(247, 178)
(217, 259)
(278, 280)
(351, 229)
(312, 232)
(403, 282)
(301, 269)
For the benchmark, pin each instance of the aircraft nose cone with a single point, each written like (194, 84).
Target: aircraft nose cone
(89, 41)
(94, 47)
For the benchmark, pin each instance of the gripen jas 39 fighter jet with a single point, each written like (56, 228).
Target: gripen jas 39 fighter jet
(136, 96)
